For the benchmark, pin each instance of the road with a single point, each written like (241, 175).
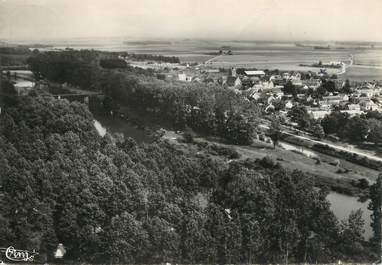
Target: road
(343, 70)
(209, 60)
(351, 150)
(338, 147)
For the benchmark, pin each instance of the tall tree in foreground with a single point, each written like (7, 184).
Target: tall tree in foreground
(375, 206)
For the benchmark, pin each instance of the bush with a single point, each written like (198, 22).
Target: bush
(268, 162)
(335, 163)
(188, 137)
(215, 149)
(318, 160)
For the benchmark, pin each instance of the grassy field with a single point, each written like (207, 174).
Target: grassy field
(339, 178)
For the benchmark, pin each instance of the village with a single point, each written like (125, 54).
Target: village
(319, 92)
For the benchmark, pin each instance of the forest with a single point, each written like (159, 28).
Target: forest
(108, 199)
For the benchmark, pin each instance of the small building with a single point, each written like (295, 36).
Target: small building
(319, 114)
(257, 73)
(369, 105)
(23, 87)
(271, 98)
(270, 108)
(276, 79)
(212, 70)
(255, 96)
(352, 113)
(60, 251)
(233, 82)
(289, 104)
(356, 107)
(184, 77)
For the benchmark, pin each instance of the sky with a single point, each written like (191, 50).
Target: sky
(285, 20)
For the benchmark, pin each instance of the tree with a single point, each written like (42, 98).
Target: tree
(317, 130)
(335, 123)
(126, 239)
(239, 130)
(188, 135)
(300, 115)
(289, 89)
(356, 129)
(321, 91)
(351, 236)
(329, 85)
(375, 206)
(346, 87)
(375, 133)
(274, 131)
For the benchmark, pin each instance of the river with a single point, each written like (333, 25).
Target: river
(119, 125)
(342, 205)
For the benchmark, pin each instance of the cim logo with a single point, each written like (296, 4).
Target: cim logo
(19, 255)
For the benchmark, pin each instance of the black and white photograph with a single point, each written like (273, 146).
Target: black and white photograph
(176, 132)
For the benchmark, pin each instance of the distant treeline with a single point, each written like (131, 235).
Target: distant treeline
(10, 56)
(113, 63)
(150, 57)
(207, 109)
(148, 42)
(15, 50)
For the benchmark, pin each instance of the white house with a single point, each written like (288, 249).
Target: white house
(369, 105)
(289, 104)
(233, 82)
(257, 73)
(352, 113)
(319, 114)
(271, 98)
(60, 251)
(270, 107)
(276, 78)
(255, 95)
(354, 107)
(324, 106)
(237, 82)
(184, 77)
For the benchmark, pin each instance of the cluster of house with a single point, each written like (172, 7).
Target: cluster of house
(256, 84)
(364, 98)
(243, 81)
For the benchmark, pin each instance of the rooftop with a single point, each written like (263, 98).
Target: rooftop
(254, 72)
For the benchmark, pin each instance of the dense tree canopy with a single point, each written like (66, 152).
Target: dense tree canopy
(108, 199)
(362, 128)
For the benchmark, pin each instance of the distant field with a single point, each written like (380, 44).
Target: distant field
(361, 73)
(198, 58)
(261, 55)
